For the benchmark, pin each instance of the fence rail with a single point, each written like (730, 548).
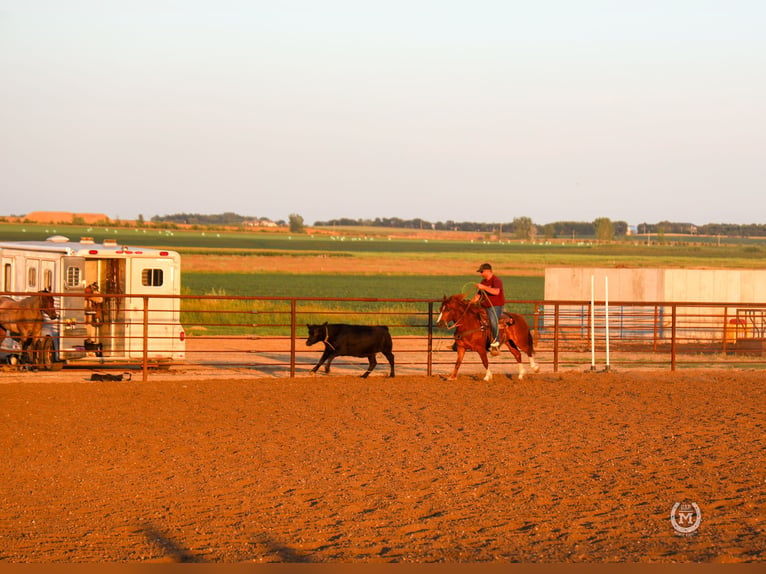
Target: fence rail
(266, 334)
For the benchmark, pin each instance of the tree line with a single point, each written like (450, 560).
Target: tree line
(519, 227)
(224, 219)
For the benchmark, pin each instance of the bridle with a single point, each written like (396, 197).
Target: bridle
(456, 324)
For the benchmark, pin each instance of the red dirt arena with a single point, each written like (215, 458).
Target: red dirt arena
(566, 467)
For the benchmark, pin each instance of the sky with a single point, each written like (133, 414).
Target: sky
(443, 110)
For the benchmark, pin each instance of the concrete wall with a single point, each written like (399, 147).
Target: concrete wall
(660, 286)
(655, 284)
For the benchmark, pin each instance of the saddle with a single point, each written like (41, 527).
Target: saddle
(505, 320)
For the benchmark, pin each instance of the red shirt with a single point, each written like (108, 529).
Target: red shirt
(494, 300)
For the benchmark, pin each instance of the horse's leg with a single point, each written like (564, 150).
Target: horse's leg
(529, 349)
(25, 343)
(485, 362)
(533, 364)
(511, 344)
(520, 339)
(37, 353)
(458, 361)
(3, 334)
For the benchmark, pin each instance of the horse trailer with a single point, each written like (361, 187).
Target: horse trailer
(115, 302)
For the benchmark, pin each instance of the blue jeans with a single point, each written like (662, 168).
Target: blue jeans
(493, 313)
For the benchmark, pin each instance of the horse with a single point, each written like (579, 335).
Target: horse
(472, 333)
(25, 318)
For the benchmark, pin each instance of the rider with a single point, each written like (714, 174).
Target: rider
(490, 292)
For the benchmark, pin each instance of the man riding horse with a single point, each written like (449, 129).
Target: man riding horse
(491, 296)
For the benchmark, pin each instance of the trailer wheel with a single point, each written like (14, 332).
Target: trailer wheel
(45, 354)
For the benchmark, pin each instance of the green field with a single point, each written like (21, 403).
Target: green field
(231, 316)
(224, 316)
(348, 286)
(731, 253)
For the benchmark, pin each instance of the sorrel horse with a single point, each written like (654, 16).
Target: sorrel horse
(472, 333)
(25, 319)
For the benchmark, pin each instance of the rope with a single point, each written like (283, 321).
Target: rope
(327, 338)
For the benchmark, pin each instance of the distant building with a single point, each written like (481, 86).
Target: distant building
(260, 223)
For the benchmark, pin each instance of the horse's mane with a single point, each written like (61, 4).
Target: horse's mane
(459, 296)
(463, 299)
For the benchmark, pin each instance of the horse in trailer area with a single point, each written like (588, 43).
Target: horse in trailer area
(472, 333)
(25, 319)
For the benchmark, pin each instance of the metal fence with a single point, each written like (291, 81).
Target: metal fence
(266, 335)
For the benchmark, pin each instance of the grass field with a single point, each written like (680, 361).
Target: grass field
(732, 252)
(347, 286)
(375, 264)
(231, 315)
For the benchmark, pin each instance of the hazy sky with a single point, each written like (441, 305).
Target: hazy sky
(477, 110)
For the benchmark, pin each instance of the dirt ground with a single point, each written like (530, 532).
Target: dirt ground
(564, 467)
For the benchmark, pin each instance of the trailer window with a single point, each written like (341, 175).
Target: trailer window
(72, 277)
(152, 277)
(32, 278)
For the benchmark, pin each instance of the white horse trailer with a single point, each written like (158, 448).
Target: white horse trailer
(113, 299)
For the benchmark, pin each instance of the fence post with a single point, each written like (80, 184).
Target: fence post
(293, 319)
(673, 338)
(429, 360)
(145, 354)
(556, 338)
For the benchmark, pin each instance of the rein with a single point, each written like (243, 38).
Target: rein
(457, 323)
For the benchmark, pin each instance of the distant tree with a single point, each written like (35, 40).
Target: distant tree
(662, 227)
(574, 229)
(227, 218)
(140, 220)
(523, 228)
(620, 228)
(296, 223)
(604, 229)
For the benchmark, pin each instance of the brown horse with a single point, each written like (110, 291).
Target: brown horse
(472, 332)
(25, 319)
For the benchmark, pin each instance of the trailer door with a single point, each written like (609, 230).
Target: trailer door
(149, 280)
(72, 316)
